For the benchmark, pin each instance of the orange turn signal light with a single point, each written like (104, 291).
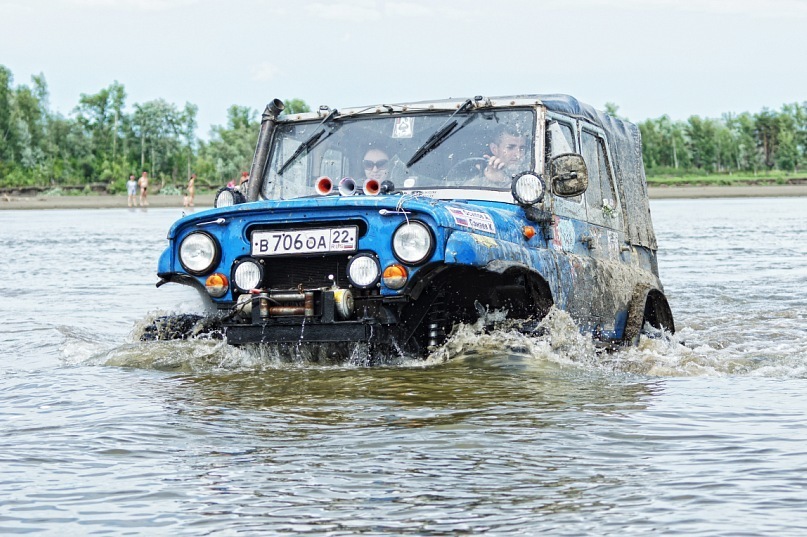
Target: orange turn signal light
(395, 276)
(529, 232)
(217, 285)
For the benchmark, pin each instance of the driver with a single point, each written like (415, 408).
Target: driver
(508, 156)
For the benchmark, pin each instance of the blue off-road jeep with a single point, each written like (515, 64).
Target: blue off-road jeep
(388, 224)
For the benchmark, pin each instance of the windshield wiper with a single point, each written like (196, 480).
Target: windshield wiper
(310, 142)
(439, 136)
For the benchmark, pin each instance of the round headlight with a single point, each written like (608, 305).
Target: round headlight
(248, 275)
(412, 242)
(528, 188)
(363, 271)
(198, 253)
(227, 197)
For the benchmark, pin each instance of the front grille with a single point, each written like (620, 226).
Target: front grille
(311, 272)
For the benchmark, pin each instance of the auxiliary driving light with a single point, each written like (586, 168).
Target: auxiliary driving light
(395, 276)
(217, 285)
(247, 275)
(528, 189)
(363, 271)
(227, 197)
(198, 253)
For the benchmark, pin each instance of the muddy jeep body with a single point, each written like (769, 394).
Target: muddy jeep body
(310, 251)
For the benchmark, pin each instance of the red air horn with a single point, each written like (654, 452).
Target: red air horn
(324, 185)
(371, 187)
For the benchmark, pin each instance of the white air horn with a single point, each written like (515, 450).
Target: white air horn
(324, 185)
(347, 186)
(371, 187)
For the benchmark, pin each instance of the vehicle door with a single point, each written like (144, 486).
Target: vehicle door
(604, 236)
(569, 224)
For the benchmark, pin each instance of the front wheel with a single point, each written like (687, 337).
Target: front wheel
(183, 326)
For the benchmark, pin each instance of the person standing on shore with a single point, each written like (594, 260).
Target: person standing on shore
(144, 187)
(188, 202)
(131, 190)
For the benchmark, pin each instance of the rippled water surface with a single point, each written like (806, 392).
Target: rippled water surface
(701, 433)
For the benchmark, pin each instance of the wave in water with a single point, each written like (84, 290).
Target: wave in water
(559, 344)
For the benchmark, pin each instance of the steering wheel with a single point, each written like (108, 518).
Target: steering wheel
(467, 169)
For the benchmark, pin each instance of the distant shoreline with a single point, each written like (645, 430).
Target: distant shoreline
(205, 201)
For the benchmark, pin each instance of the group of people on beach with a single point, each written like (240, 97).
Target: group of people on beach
(132, 186)
(142, 184)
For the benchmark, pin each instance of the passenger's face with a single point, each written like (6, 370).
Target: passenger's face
(512, 150)
(376, 165)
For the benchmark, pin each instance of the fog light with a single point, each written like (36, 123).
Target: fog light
(395, 276)
(247, 275)
(217, 285)
(363, 271)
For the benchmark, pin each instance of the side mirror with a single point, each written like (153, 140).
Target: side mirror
(568, 175)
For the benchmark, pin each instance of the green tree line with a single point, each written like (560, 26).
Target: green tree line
(104, 142)
(761, 143)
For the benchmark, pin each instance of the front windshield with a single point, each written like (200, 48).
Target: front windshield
(485, 149)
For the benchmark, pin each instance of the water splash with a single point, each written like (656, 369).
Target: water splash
(554, 344)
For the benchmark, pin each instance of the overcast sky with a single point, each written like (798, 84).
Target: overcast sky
(649, 57)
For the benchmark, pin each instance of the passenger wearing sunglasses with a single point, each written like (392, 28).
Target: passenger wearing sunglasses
(376, 164)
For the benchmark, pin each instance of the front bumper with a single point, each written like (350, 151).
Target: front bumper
(342, 332)
(315, 317)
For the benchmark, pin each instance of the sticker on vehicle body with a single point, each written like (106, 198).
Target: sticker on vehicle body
(613, 244)
(485, 241)
(473, 219)
(563, 234)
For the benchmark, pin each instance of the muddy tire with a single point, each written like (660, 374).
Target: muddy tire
(170, 327)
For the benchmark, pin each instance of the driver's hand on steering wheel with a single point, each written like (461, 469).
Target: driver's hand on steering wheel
(494, 171)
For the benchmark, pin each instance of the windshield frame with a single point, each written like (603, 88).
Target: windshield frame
(429, 120)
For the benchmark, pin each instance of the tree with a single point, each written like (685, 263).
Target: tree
(230, 149)
(767, 130)
(6, 134)
(296, 106)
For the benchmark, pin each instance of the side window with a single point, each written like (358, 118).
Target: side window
(559, 139)
(601, 203)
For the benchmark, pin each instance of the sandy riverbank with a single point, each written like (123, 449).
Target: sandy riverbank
(205, 201)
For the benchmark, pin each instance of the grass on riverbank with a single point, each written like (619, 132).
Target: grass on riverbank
(672, 178)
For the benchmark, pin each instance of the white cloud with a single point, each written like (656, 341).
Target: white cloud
(768, 9)
(264, 72)
(408, 9)
(139, 5)
(360, 11)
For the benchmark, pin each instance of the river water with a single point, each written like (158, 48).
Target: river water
(702, 433)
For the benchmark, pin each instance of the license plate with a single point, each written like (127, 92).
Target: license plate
(304, 241)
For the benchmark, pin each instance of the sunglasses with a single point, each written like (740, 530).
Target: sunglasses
(380, 164)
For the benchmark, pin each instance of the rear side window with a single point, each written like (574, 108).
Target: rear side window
(601, 203)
